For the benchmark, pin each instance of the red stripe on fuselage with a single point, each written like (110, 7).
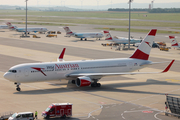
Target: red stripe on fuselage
(39, 69)
(140, 55)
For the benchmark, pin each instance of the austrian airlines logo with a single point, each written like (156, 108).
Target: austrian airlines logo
(39, 69)
(148, 43)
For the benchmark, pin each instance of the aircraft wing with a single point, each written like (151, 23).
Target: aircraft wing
(123, 73)
(153, 63)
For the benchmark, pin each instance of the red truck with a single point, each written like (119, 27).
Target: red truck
(58, 110)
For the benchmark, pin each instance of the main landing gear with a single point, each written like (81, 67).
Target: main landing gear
(95, 84)
(17, 85)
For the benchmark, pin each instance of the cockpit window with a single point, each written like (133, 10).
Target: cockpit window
(13, 71)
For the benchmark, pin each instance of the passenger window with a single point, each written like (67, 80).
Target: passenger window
(29, 115)
(18, 116)
(24, 116)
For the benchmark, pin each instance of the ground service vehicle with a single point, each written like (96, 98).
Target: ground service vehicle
(58, 110)
(164, 48)
(51, 32)
(35, 36)
(51, 35)
(22, 116)
(161, 43)
(58, 32)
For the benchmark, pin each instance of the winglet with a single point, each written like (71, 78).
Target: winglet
(60, 58)
(168, 67)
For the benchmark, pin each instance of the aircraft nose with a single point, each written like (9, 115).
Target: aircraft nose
(8, 76)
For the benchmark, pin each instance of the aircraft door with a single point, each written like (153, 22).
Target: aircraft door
(130, 65)
(26, 72)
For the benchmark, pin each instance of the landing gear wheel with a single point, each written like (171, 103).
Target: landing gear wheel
(18, 89)
(47, 117)
(98, 84)
(85, 39)
(17, 86)
(64, 116)
(93, 85)
(81, 39)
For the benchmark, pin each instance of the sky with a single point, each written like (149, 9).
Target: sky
(76, 2)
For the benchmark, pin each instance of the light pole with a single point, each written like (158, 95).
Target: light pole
(97, 4)
(26, 18)
(81, 4)
(129, 23)
(111, 4)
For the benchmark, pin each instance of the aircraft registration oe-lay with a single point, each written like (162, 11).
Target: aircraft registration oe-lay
(85, 72)
(174, 43)
(84, 35)
(120, 40)
(29, 29)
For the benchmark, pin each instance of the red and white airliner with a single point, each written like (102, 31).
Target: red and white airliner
(85, 72)
(82, 35)
(174, 43)
(120, 40)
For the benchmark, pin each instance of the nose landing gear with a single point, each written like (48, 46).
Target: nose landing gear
(17, 85)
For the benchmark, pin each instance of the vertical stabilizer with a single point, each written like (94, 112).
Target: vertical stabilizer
(68, 31)
(10, 26)
(107, 35)
(143, 51)
(173, 41)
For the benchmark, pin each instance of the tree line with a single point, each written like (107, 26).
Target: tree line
(154, 10)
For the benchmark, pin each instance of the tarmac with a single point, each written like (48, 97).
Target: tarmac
(131, 97)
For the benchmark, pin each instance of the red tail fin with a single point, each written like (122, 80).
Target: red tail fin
(144, 48)
(107, 35)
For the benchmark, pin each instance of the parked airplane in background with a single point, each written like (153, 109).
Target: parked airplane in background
(120, 40)
(29, 29)
(84, 35)
(174, 43)
(6, 27)
(85, 72)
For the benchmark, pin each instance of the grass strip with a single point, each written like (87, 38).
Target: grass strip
(137, 30)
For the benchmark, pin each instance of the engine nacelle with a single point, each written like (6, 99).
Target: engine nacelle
(83, 81)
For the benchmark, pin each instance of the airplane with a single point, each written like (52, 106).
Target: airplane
(29, 29)
(120, 40)
(85, 72)
(82, 35)
(174, 43)
(6, 27)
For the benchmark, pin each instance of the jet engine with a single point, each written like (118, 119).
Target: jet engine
(83, 81)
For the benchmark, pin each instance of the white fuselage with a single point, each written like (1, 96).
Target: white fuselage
(5, 27)
(125, 40)
(88, 35)
(32, 29)
(47, 71)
